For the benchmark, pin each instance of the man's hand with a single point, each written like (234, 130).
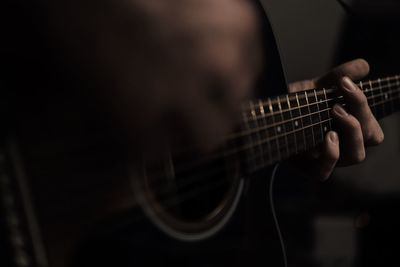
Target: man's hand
(357, 125)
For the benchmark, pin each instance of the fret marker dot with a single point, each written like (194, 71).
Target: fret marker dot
(386, 96)
(296, 123)
(325, 129)
(279, 129)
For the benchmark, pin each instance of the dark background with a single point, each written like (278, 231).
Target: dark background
(353, 219)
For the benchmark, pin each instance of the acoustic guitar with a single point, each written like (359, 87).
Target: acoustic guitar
(70, 197)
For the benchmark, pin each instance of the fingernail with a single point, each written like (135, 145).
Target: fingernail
(348, 84)
(340, 110)
(334, 138)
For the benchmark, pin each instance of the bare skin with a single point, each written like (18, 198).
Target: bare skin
(358, 126)
(199, 58)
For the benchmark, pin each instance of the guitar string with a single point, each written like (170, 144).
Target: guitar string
(320, 92)
(247, 147)
(233, 152)
(252, 118)
(190, 181)
(171, 202)
(275, 159)
(320, 123)
(317, 102)
(312, 125)
(319, 112)
(197, 191)
(327, 91)
(254, 145)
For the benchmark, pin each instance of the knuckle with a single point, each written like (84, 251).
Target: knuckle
(359, 98)
(362, 99)
(354, 123)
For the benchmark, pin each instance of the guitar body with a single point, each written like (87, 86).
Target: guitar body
(73, 216)
(249, 237)
(71, 199)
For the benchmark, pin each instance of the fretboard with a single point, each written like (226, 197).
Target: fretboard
(280, 127)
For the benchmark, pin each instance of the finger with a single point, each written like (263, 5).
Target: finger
(352, 145)
(358, 106)
(301, 86)
(355, 69)
(329, 155)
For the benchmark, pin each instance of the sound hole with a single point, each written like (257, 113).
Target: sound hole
(189, 192)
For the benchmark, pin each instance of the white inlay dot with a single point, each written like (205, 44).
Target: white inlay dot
(279, 129)
(296, 123)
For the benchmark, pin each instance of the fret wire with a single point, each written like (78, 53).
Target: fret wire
(370, 82)
(226, 153)
(291, 97)
(293, 125)
(248, 137)
(376, 81)
(312, 113)
(322, 93)
(306, 127)
(373, 96)
(253, 113)
(303, 106)
(319, 114)
(282, 135)
(385, 102)
(273, 121)
(372, 106)
(309, 111)
(398, 93)
(274, 124)
(330, 123)
(391, 91)
(331, 90)
(262, 111)
(387, 97)
(387, 108)
(283, 125)
(234, 151)
(309, 126)
(381, 92)
(301, 121)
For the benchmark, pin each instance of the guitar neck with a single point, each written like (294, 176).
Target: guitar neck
(283, 126)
